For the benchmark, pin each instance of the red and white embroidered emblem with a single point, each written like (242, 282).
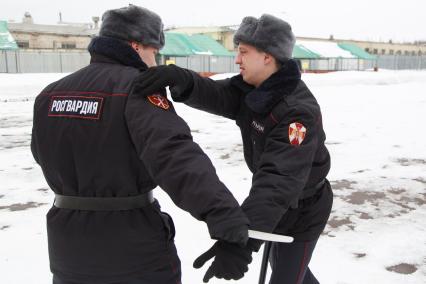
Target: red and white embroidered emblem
(296, 133)
(159, 100)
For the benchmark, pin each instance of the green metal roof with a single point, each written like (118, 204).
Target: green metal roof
(6, 39)
(299, 51)
(356, 51)
(208, 44)
(185, 45)
(177, 45)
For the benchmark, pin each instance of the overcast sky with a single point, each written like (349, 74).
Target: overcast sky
(400, 20)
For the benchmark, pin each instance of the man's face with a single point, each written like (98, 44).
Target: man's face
(146, 53)
(252, 64)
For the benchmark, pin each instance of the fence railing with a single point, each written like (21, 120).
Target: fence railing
(28, 61)
(42, 61)
(211, 64)
(401, 62)
(336, 64)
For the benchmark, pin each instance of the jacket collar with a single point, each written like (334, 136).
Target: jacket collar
(111, 50)
(280, 84)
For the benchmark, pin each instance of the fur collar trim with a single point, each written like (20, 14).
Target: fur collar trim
(272, 90)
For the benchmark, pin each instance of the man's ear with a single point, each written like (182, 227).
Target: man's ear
(134, 45)
(268, 59)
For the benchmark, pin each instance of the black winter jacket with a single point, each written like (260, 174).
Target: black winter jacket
(92, 139)
(281, 168)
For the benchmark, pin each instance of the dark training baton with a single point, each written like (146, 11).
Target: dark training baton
(264, 265)
(268, 238)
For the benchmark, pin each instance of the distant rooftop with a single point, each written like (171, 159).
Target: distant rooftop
(186, 45)
(61, 29)
(201, 29)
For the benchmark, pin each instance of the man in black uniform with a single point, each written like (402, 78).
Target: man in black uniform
(283, 138)
(102, 151)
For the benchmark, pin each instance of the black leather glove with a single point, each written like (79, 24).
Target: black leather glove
(157, 78)
(230, 261)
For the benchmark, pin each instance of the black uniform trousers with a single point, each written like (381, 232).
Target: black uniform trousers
(289, 261)
(169, 274)
(166, 272)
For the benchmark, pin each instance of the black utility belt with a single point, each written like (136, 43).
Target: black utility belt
(103, 203)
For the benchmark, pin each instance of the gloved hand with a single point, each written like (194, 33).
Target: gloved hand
(157, 78)
(230, 261)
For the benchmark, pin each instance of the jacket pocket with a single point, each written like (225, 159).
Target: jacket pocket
(168, 225)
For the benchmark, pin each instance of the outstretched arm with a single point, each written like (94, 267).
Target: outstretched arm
(216, 97)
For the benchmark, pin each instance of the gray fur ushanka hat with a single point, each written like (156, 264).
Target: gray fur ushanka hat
(268, 33)
(133, 23)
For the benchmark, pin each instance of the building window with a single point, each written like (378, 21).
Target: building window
(375, 51)
(391, 51)
(419, 53)
(68, 45)
(23, 43)
(383, 51)
(413, 53)
(367, 49)
(398, 52)
(406, 53)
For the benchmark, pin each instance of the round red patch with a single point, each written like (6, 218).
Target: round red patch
(296, 133)
(159, 101)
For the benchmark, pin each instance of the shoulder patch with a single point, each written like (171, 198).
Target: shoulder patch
(85, 107)
(296, 133)
(159, 101)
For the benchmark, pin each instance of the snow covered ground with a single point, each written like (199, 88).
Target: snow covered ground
(375, 125)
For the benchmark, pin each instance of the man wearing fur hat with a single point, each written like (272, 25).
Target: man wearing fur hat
(103, 151)
(283, 138)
